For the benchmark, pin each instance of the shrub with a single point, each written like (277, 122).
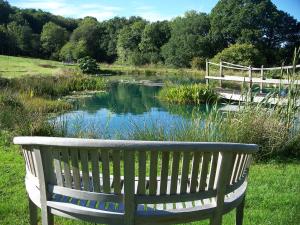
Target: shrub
(136, 58)
(198, 63)
(72, 51)
(88, 65)
(243, 54)
(188, 94)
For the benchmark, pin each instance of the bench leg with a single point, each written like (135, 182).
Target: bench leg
(240, 213)
(32, 212)
(47, 217)
(216, 220)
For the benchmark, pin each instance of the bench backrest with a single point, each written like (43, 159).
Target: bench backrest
(136, 172)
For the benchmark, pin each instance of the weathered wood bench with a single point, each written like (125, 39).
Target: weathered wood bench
(134, 182)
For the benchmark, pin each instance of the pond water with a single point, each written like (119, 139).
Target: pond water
(124, 108)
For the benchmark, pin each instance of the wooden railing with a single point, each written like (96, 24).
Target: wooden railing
(261, 80)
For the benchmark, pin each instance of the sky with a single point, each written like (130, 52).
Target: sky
(151, 10)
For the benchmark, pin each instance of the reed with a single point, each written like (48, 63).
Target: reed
(188, 94)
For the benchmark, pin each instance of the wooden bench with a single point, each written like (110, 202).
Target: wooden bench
(134, 182)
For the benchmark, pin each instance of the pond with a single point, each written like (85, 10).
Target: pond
(122, 109)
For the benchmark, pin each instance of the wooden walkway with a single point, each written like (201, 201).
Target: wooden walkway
(235, 95)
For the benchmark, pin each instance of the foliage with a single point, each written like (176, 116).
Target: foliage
(88, 65)
(21, 38)
(128, 42)
(188, 39)
(135, 41)
(55, 86)
(53, 37)
(198, 63)
(189, 94)
(26, 102)
(242, 54)
(154, 36)
(257, 22)
(5, 10)
(89, 32)
(22, 117)
(72, 51)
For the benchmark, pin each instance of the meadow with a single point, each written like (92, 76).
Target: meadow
(273, 196)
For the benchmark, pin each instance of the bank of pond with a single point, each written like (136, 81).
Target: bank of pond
(57, 106)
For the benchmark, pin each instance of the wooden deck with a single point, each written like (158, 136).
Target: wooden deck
(237, 96)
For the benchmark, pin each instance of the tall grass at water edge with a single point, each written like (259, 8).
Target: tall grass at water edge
(26, 103)
(188, 94)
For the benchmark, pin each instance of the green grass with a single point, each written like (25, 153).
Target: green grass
(273, 196)
(11, 67)
(151, 70)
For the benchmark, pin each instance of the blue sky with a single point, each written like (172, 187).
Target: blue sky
(149, 9)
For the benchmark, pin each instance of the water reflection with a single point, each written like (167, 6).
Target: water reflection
(123, 108)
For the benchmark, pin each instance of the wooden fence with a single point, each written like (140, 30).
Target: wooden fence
(261, 80)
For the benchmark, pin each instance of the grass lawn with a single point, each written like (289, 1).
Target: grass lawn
(273, 195)
(12, 67)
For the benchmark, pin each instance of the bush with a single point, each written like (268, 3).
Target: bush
(72, 51)
(243, 54)
(189, 94)
(136, 58)
(198, 63)
(88, 65)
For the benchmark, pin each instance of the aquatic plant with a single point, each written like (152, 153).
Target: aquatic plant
(188, 94)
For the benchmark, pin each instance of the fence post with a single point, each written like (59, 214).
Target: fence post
(207, 72)
(221, 73)
(250, 83)
(262, 78)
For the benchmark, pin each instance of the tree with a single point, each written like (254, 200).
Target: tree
(5, 10)
(242, 54)
(72, 51)
(4, 40)
(53, 37)
(257, 22)
(21, 38)
(189, 39)
(154, 36)
(128, 41)
(90, 32)
(109, 38)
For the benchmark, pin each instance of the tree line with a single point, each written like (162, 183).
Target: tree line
(253, 27)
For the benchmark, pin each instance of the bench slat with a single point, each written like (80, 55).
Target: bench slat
(185, 172)
(175, 170)
(67, 172)
(85, 169)
(116, 172)
(142, 173)
(213, 170)
(204, 171)
(57, 167)
(95, 170)
(75, 169)
(153, 173)
(105, 170)
(164, 172)
(195, 171)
